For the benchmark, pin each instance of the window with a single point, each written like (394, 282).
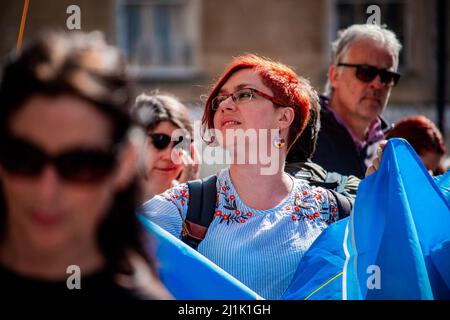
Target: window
(160, 38)
(393, 14)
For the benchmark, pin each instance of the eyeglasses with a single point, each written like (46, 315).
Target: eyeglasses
(23, 158)
(367, 73)
(243, 95)
(161, 140)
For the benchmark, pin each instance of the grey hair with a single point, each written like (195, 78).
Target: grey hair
(346, 37)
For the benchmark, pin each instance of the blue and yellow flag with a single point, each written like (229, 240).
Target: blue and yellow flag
(396, 243)
(188, 275)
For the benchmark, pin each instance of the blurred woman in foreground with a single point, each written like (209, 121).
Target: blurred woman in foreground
(67, 171)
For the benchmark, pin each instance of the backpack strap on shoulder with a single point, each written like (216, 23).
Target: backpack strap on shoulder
(344, 204)
(202, 204)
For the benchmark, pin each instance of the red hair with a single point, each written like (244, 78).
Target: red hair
(286, 85)
(421, 133)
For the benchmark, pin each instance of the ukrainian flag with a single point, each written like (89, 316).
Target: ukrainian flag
(396, 243)
(189, 275)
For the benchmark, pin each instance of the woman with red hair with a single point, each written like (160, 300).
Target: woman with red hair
(424, 137)
(264, 220)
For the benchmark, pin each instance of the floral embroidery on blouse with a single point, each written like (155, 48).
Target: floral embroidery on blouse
(308, 204)
(179, 196)
(312, 204)
(234, 214)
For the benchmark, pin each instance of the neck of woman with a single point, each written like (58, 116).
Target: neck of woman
(23, 258)
(260, 191)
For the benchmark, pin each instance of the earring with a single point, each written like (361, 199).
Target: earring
(279, 142)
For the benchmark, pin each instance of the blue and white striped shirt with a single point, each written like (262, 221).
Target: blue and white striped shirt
(261, 248)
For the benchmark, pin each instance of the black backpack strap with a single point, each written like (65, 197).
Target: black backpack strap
(344, 204)
(202, 204)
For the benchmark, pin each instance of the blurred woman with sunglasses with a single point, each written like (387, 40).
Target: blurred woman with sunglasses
(167, 157)
(67, 172)
(264, 221)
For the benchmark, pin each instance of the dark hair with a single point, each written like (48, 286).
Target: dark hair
(82, 65)
(290, 89)
(303, 149)
(421, 133)
(150, 110)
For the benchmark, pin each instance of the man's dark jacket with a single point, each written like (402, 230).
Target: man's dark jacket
(336, 151)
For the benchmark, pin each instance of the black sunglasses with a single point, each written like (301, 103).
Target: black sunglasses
(21, 157)
(161, 140)
(367, 73)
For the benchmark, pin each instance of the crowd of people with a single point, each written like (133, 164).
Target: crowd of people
(81, 155)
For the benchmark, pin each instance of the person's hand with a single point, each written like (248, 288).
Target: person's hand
(190, 165)
(376, 163)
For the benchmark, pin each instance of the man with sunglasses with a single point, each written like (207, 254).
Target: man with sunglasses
(360, 79)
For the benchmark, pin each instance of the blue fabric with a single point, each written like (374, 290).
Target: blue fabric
(444, 184)
(188, 275)
(400, 227)
(319, 274)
